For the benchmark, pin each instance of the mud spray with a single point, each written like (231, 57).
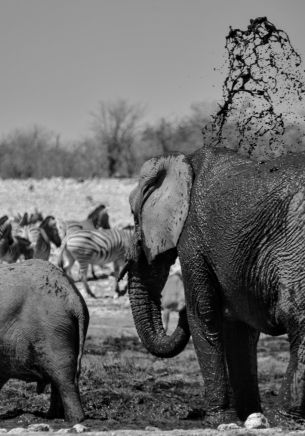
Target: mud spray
(263, 112)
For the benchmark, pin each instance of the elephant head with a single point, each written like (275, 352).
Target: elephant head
(160, 204)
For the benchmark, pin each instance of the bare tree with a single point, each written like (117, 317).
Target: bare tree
(115, 126)
(28, 153)
(159, 137)
(181, 135)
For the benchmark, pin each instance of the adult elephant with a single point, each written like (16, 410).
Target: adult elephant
(238, 228)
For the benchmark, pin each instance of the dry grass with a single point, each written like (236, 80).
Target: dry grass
(67, 198)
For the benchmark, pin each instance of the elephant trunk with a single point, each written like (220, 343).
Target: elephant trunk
(145, 284)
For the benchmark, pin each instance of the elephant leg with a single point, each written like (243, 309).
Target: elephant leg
(204, 317)
(292, 393)
(3, 379)
(65, 397)
(209, 349)
(241, 353)
(56, 409)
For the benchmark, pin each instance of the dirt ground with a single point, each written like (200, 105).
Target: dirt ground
(124, 387)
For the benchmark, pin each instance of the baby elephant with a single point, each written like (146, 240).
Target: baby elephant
(43, 325)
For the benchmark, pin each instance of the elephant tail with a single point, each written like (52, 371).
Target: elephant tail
(83, 322)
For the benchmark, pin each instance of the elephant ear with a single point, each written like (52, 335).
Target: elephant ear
(164, 198)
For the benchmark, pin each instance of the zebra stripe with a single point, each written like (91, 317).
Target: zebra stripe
(95, 247)
(98, 218)
(5, 226)
(71, 226)
(19, 247)
(6, 238)
(29, 232)
(41, 237)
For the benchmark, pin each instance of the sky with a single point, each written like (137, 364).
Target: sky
(60, 58)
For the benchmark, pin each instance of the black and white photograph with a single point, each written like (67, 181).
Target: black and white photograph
(152, 217)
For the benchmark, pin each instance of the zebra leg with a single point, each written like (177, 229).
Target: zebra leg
(117, 264)
(83, 273)
(93, 273)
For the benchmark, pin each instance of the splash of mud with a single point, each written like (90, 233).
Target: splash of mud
(263, 92)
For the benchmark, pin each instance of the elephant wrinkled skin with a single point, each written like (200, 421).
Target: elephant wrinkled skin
(43, 325)
(238, 228)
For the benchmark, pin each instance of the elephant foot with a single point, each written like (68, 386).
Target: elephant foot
(65, 404)
(75, 417)
(215, 418)
(58, 413)
(73, 413)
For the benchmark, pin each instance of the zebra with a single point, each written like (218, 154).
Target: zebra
(41, 237)
(19, 247)
(95, 247)
(12, 247)
(25, 219)
(97, 218)
(4, 224)
(6, 238)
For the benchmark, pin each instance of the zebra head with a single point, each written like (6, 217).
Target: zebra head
(24, 220)
(3, 223)
(99, 217)
(35, 217)
(6, 238)
(49, 226)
